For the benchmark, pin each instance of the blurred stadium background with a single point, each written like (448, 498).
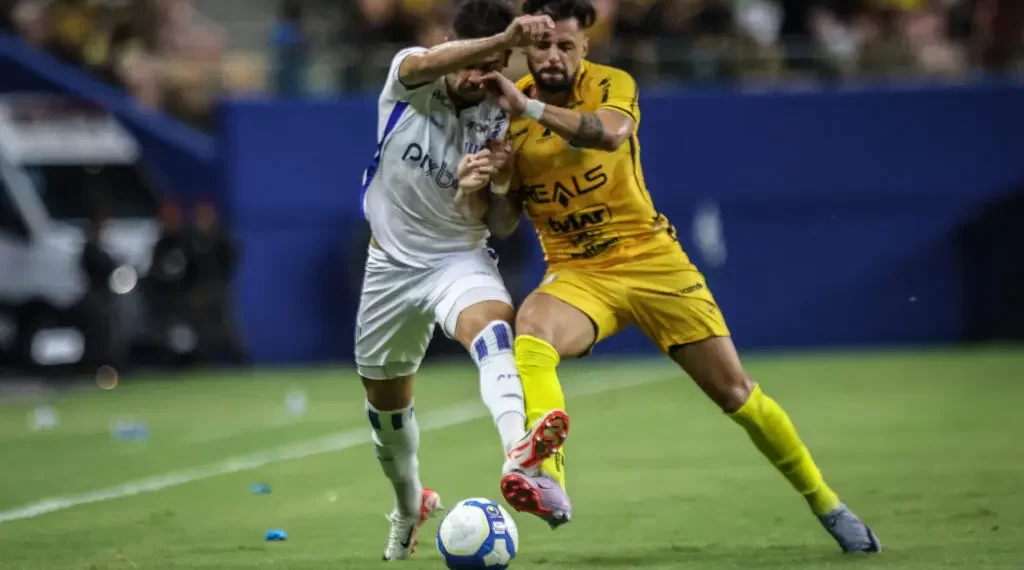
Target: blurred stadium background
(181, 251)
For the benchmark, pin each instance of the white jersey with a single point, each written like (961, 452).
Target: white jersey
(409, 188)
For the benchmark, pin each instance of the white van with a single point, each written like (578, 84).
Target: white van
(56, 154)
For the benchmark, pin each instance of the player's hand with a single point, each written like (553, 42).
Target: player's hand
(505, 94)
(475, 171)
(502, 160)
(526, 30)
(501, 154)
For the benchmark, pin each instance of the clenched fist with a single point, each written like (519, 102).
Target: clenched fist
(526, 30)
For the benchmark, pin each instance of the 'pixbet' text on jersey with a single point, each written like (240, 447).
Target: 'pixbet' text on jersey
(437, 171)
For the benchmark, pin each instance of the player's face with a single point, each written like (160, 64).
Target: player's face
(555, 60)
(467, 84)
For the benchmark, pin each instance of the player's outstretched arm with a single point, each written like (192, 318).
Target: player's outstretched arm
(604, 129)
(425, 67)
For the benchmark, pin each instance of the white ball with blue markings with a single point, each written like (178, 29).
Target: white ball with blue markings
(478, 534)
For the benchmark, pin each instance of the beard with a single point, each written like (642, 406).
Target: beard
(561, 84)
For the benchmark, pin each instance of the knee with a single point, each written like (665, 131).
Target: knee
(735, 392)
(529, 321)
(472, 321)
(389, 395)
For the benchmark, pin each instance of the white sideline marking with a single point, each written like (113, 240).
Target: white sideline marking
(451, 416)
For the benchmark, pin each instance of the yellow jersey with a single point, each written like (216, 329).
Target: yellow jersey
(587, 203)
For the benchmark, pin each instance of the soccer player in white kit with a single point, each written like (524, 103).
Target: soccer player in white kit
(428, 263)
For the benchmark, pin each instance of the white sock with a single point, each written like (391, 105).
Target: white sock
(396, 438)
(500, 386)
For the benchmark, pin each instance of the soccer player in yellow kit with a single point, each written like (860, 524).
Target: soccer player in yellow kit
(615, 261)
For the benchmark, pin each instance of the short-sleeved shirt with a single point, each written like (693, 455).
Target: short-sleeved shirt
(409, 188)
(586, 203)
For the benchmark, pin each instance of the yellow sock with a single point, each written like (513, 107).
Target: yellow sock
(537, 362)
(773, 433)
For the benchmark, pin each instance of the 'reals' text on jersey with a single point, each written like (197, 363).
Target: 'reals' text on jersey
(408, 193)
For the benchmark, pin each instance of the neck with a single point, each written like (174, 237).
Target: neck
(559, 99)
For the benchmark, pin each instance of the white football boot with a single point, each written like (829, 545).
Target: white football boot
(402, 539)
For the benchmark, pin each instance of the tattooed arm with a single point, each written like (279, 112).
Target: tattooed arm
(604, 129)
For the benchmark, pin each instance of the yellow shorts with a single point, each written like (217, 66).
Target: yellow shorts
(661, 292)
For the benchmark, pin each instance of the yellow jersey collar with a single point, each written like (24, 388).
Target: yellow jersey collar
(577, 89)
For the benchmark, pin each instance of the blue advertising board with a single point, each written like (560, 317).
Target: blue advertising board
(825, 218)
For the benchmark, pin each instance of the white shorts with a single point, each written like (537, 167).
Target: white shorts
(399, 307)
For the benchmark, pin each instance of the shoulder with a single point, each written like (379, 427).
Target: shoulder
(602, 77)
(402, 54)
(411, 50)
(395, 89)
(609, 87)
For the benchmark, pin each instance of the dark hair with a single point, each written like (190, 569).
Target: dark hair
(481, 18)
(580, 10)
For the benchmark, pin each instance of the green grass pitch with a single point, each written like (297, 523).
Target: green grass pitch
(926, 446)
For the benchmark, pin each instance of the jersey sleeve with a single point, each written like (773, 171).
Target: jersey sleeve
(525, 83)
(394, 89)
(619, 92)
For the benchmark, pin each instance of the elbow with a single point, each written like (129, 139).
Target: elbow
(613, 140)
(611, 144)
(615, 130)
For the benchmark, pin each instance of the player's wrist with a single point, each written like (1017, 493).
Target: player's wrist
(534, 109)
(506, 39)
(499, 185)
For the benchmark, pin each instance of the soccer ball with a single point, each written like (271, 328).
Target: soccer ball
(478, 534)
